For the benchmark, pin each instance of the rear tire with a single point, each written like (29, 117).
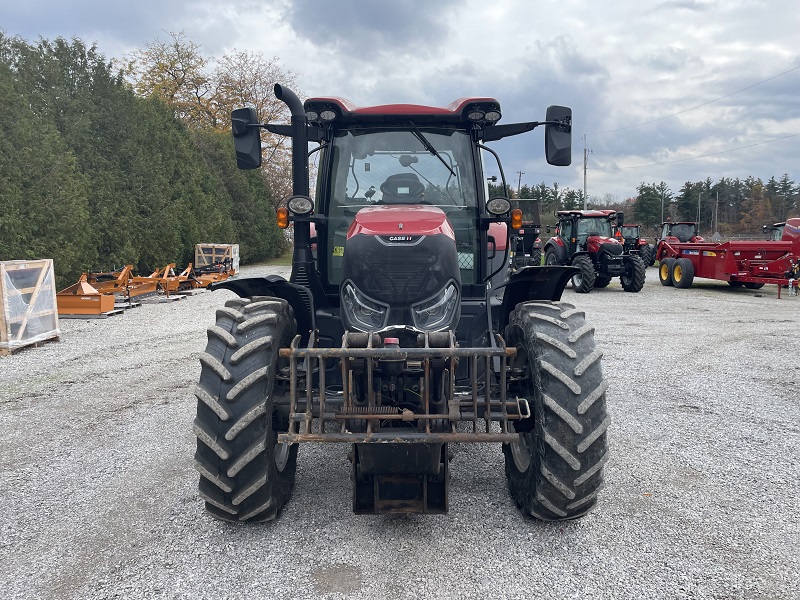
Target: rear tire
(644, 254)
(750, 285)
(583, 282)
(682, 273)
(665, 271)
(555, 471)
(244, 474)
(536, 258)
(635, 274)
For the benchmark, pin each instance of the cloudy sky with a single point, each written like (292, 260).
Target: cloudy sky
(672, 91)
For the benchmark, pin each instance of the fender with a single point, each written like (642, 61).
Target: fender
(559, 249)
(544, 283)
(297, 296)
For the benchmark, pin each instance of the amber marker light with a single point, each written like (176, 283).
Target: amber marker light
(516, 218)
(283, 217)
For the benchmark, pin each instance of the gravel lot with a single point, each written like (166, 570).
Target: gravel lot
(98, 493)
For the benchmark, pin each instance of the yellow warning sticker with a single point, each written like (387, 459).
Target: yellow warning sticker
(338, 250)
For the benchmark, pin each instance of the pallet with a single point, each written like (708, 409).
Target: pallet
(28, 311)
(104, 315)
(206, 255)
(161, 299)
(10, 351)
(127, 305)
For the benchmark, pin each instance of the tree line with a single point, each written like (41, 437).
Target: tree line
(97, 171)
(729, 206)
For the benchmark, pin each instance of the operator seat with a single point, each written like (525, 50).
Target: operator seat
(402, 188)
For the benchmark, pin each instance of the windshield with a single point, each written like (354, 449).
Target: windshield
(629, 232)
(392, 166)
(594, 226)
(683, 231)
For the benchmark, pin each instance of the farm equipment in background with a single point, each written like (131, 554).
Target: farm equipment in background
(83, 298)
(748, 263)
(585, 239)
(403, 332)
(633, 243)
(526, 245)
(675, 233)
(204, 276)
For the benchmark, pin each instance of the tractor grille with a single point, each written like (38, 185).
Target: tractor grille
(400, 274)
(612, 249)
(397, 271)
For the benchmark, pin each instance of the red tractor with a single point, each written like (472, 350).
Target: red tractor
(672, 233)
(403, 334)
(633, 242)
(585, 239)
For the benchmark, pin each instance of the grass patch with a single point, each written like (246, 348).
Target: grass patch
(281, 261)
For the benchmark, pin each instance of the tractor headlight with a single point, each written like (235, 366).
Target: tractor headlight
(437, 312)
(362, 312)
(300, 205)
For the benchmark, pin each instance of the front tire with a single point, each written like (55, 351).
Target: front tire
(635, 274)
(583, 282)
(244, 474)
(665, 271)
(551, 258)
(555, 471)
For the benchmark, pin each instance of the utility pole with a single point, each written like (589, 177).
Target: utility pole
(586, 153)
(699, 195)
(716, 215)
(519, 181)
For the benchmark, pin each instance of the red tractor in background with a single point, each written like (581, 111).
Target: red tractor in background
(406, 330)
(585, 239)
(672, 233)
(526, 245)
(634, 243)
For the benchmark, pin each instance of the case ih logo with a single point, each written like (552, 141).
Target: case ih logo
(400, 238)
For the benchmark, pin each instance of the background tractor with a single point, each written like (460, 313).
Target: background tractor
(526, 245)
(584, 239)
(402, 334)
(673, 233)
(633, 242)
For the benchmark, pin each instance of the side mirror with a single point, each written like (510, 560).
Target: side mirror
(620, 220)
(548, 228)
(558, 136)
(246, 138)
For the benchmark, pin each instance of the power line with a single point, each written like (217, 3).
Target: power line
(680, 112)
(669, 162)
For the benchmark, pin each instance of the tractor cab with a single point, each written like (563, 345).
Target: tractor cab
(775, 231)
(683, 231)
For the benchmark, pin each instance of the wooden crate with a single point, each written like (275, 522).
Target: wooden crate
(28, 311)
(212, 254)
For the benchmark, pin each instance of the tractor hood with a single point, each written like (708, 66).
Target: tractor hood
(595, 242)
(400, 222)
(400, 268)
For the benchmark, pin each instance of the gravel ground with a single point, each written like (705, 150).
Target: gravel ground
(98, 493)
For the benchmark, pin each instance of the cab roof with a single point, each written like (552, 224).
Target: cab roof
(454, 113)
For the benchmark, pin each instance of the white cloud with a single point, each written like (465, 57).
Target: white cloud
(616, 63)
